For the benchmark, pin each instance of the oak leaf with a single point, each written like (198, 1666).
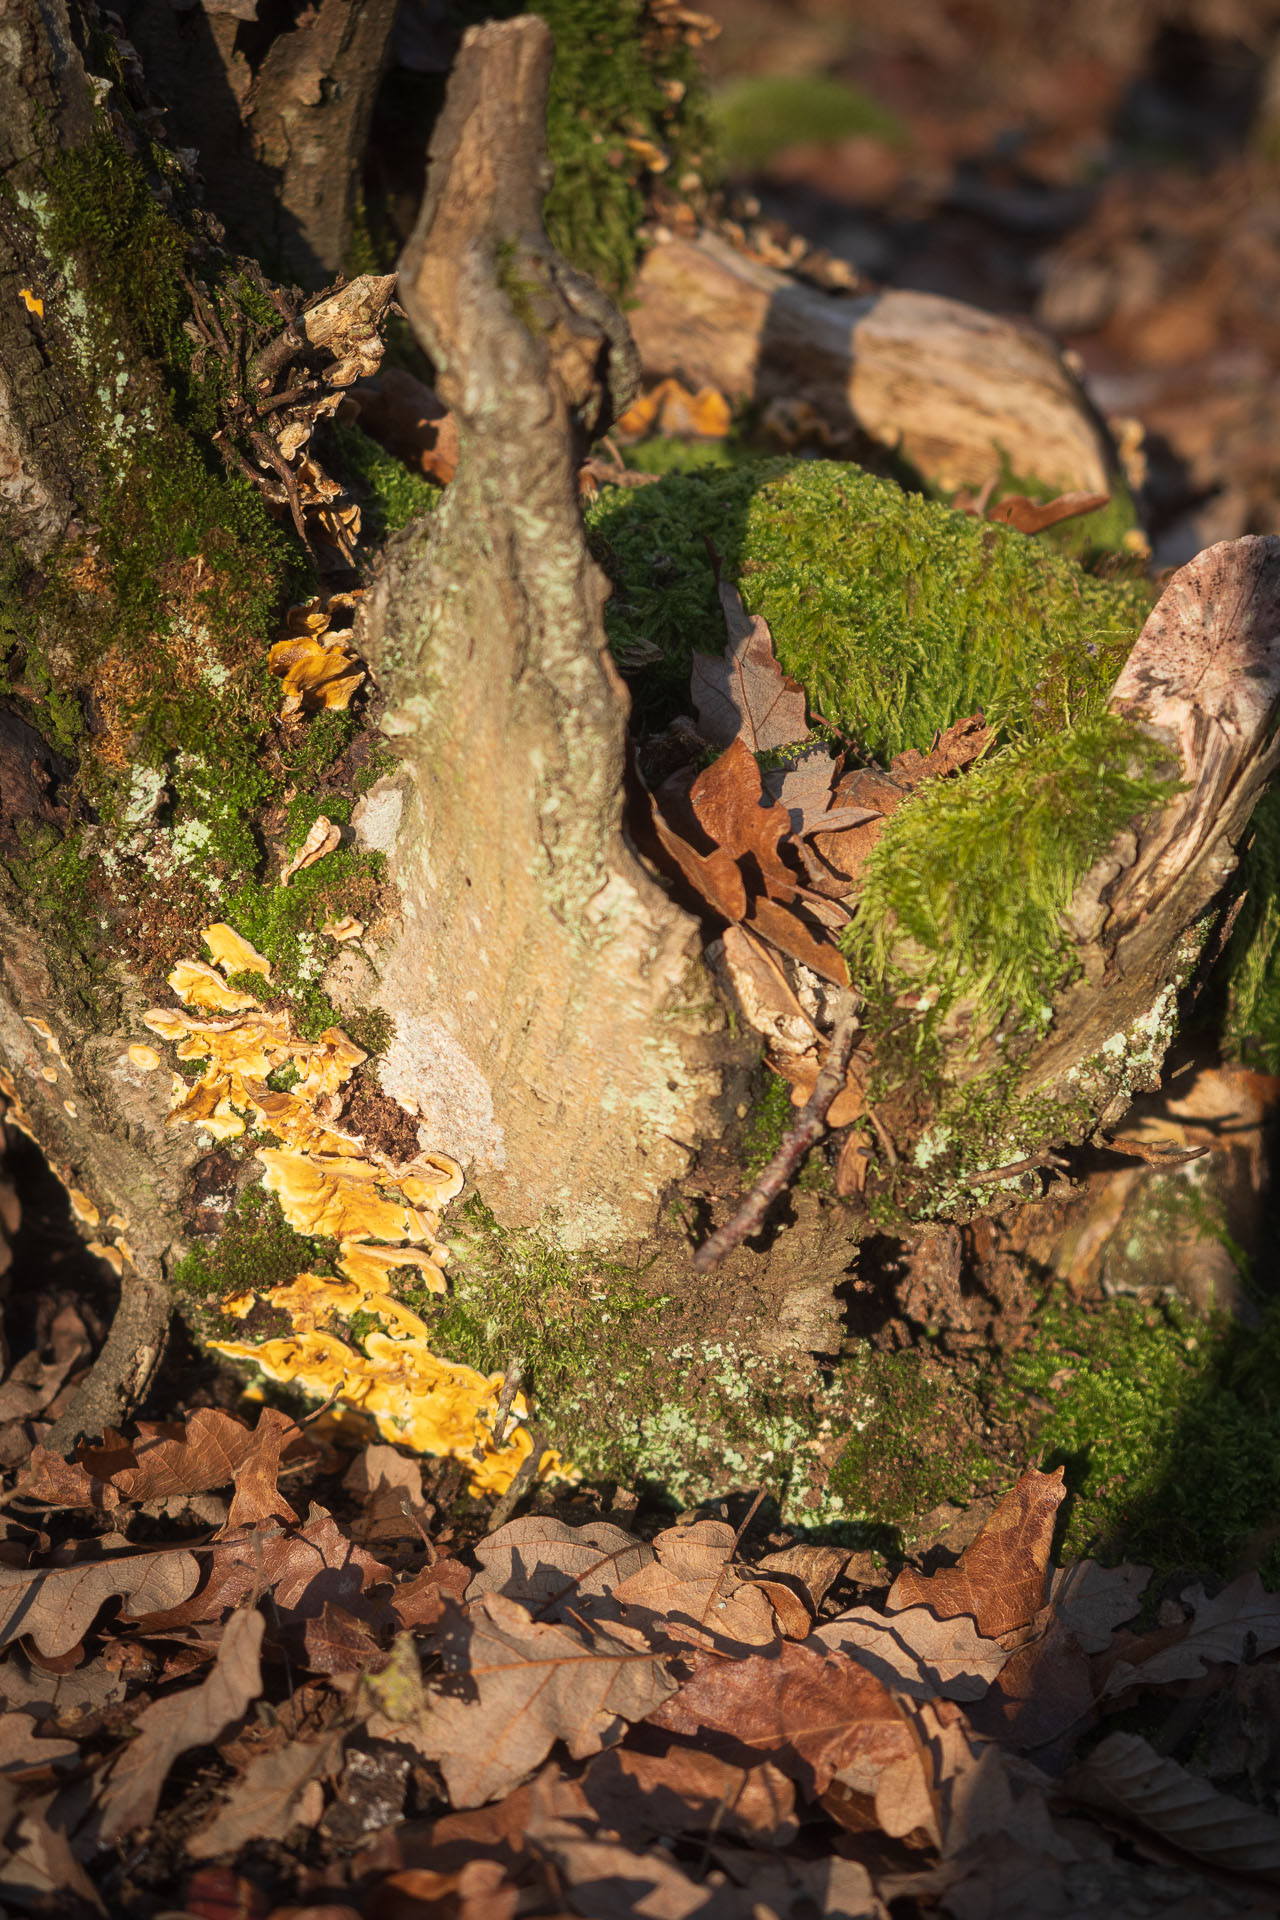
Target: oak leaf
(552, 1568)
(915, 1653)
(193, 1718)
(264, 1803)
(815, 1712)
(688, 1790)
(529, 1683)
(687, 1591)
(56, 1606)
(1240, 1622)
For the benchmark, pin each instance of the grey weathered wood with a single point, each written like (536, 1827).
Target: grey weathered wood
(947, 386)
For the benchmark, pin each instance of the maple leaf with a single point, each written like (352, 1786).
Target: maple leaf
(530, 1683)
(727, 802)
(743, 694)
(193, 1718)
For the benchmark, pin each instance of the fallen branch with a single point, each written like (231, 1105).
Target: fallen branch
(809, 1127)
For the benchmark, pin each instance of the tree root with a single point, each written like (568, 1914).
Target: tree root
(122, 1372)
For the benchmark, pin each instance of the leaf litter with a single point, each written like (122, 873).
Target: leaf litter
(570, 1715)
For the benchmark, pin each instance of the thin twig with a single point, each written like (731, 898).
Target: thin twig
(809, 1127)
(510, 1386)
(1156, 1153)
(525, 1476)
(1033, 1160)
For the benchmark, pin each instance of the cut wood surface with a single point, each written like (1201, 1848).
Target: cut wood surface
(950, 388)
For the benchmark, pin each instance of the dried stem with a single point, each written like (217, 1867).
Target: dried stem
(809, 1127)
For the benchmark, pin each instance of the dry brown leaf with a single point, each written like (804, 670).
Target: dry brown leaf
(43, 1866)
(605, 1880)
(687, 1790)
(552, 1568)
(743, 693)
(263, 1803)
(210, 1449)
(323, 837)
(815, 1712)
(726, 799)
(1033, 516)
(962, 743)
(816, 1568)
(765, 1000)
(788, 932)
(915, 1653)
(689, 1593)
(193, 1718)
(802, 788)
(337, 1642)
(22, 1752)
(1091, 1600)
(529, 1683)
(1241, 1621)
(55, 1607)
(714, 876)
(301, 1569)
(64, 1483)
(1125, 1775)
(1000, 1578)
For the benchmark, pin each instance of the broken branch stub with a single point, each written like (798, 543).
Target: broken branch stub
(554, 1027)
(1204, 675)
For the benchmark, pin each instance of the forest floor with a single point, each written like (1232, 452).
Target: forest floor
(268, 1666)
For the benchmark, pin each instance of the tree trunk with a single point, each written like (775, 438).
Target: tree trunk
(532, 999)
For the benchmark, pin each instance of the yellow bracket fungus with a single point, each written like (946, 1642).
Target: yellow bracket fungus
(384, 1214)
(317, 661)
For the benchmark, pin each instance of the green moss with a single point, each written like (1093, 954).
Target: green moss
(390, 493)
(913, 1440)
(1168, 1425)
(1252, 1011)
(897, 614)
(755, 117)
(284, 924)
(255, 1251)
(614, 80)
(768, 1121)
(976, 873)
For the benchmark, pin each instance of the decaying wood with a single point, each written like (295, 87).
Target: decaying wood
(554, 1026)
(279, 136)
(948, 387)
(1205, 676)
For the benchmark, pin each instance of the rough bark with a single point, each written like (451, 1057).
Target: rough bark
(278, 120)
(44, 100)
(1205, 676)
(554, 1026)
(947, 387)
